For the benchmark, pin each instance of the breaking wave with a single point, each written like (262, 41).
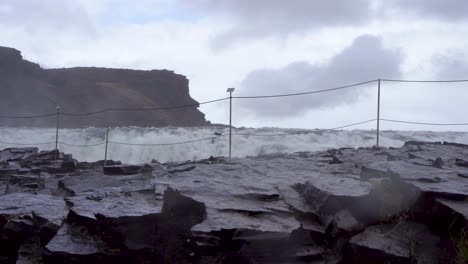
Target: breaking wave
(245, 141)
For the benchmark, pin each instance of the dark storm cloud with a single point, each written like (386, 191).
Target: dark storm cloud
(364, 60)
(261, 18)
(451, 10)
(44, 15)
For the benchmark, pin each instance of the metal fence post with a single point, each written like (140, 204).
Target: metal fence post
(230, 90)
(107, 142)
(56, 134)
(378, 112)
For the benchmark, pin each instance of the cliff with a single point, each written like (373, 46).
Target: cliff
(27, 89)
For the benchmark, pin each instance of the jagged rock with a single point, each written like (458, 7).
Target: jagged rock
(63, 166)
(30, 252)
(292, 198)
(335, 160)
(438, 163)
(12, 154)
(146, 168)
(265, 247)
(74, 244)
(274, 208)
(402, 242)
(25, 216)
(182, 169)
(8, 171)
(100, 163)
(444, 182)
(458, 207)
(344, 221)
(48, 211)
(49, 155)
(310, 253)
(461, 163)
(69, 165)
(122, 169)
(24, 179)
(124, 221)
(328, 193)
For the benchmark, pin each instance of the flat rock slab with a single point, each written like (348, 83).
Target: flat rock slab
(329, 193)
(232, 202)
(115, 205)
(95, 182)
(17, 154)
(401, 242)
(20, 205)
(428, 179)
(218, 220)
(460, 207)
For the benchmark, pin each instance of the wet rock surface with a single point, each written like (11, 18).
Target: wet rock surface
(366, 205)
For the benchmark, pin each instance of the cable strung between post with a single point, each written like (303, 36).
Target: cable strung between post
(424, 81)
(82, 146)
(304, 132)
(26, 117)
(144, 109)
(26, 144)
(116, 109)
(225, 98)
(304, 93)
(423, 123)
(165, 144)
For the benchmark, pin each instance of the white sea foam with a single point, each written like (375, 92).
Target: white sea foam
(242, 145)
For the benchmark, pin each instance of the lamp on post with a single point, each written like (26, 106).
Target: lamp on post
(230, 91)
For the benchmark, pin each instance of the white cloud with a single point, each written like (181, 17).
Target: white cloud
(45, 15)
(262, 18)
(364, 60)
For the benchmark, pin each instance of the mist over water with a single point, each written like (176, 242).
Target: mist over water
(256, 143)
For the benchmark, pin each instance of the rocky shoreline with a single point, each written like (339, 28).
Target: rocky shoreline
(365, 205)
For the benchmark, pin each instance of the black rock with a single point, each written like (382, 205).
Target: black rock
(335, 160)
(122, 169)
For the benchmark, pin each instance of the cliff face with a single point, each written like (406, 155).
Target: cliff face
(27, 89)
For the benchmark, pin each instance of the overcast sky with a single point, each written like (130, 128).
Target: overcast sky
(263, 47)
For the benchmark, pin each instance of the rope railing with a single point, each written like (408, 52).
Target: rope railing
(305, 93)
(144, 109)
(234, 97)
(424, 81)
(26, 144)
(115, 109)
(300, 132)
(165, 144)
(82, 146)
(304, 132)
(423, 123)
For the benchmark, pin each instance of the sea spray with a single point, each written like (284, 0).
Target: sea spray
(246, 141)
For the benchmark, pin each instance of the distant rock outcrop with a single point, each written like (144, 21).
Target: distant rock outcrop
(27, 89)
